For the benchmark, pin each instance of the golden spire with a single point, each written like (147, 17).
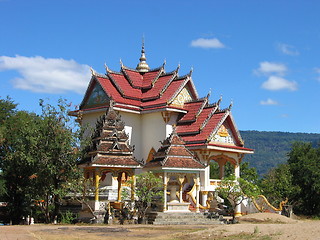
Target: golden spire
(142, 65)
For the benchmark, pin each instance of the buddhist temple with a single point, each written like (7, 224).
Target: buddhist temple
(148, 119)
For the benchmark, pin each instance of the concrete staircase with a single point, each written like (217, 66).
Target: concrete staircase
(185, 218)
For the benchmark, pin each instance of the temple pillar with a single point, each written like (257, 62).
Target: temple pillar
(181, 180)
(237, 211)
(204, 198)
(197, 194)
(165, 191)
(237, 171)
(221, 169)
(96, 192)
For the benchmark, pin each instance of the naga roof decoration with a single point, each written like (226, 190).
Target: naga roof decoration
(174, 154)
(109, 145)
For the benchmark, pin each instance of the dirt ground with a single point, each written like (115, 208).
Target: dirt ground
(262, 226)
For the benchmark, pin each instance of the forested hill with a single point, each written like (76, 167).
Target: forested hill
(271, 148)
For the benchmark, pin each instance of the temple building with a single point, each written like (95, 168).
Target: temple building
(151, 120)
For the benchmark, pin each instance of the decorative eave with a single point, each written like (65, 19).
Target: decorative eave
(110, 166)
(219, 147)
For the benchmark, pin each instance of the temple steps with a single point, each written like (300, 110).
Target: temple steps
(183, 218)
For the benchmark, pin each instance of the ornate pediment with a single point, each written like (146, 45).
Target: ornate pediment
(223, 135)
(97, 97)
(182, 97)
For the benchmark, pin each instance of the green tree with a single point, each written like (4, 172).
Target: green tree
(249, 173)
(236, 191)
(277, 185)
(18, 161)
(57, 156)
(304, 162)
(147, 188)
(38, 155)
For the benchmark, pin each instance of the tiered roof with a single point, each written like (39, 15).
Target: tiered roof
(142, 90)
(174, 154)
(131, 89)
(109, 145)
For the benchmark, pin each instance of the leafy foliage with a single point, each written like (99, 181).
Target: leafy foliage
(38, 154)
(147, 188)
(237, 190)
(304, 163)
(278, 185)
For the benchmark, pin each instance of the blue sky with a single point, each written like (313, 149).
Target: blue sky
(262, 55)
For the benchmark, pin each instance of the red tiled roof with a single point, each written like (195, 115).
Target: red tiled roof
(142, 90)
(204, 134)
(116, 161)
(180, 162)
(155, 89)
(174, 154)
(195, 126)
(192, 108)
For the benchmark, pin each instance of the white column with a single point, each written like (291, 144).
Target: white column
(197, 194)
(237, 175)
(96, 192)
(180, 195)
(204, 198)
(237, 170)
(237, 211)
(164, 191)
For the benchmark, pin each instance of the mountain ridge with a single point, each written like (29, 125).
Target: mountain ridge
(271, 147)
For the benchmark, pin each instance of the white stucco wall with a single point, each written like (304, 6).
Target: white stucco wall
(145, 130)
(153, 131)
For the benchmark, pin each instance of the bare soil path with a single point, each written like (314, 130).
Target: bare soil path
(254, 226)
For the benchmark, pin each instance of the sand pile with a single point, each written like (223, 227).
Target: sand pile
(266, 218)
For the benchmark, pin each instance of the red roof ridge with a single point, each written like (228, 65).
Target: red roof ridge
(205, 103)
(215, 107)
(123, 70)
(161, 71)
(183, 84)
(115, 84)
(168, 83)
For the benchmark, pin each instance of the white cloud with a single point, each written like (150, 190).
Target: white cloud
(271, 68)
(47, 75)
(288, 49)
(269, 101)
(275, 83)
(207, 43)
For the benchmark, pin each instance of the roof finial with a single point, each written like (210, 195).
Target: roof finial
(209, 93)
(93, 72)
(231, 104)
(142, 65)
(106, 67)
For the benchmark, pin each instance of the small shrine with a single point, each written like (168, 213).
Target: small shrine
(109, 163)
(180, 171)
(175, 134)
